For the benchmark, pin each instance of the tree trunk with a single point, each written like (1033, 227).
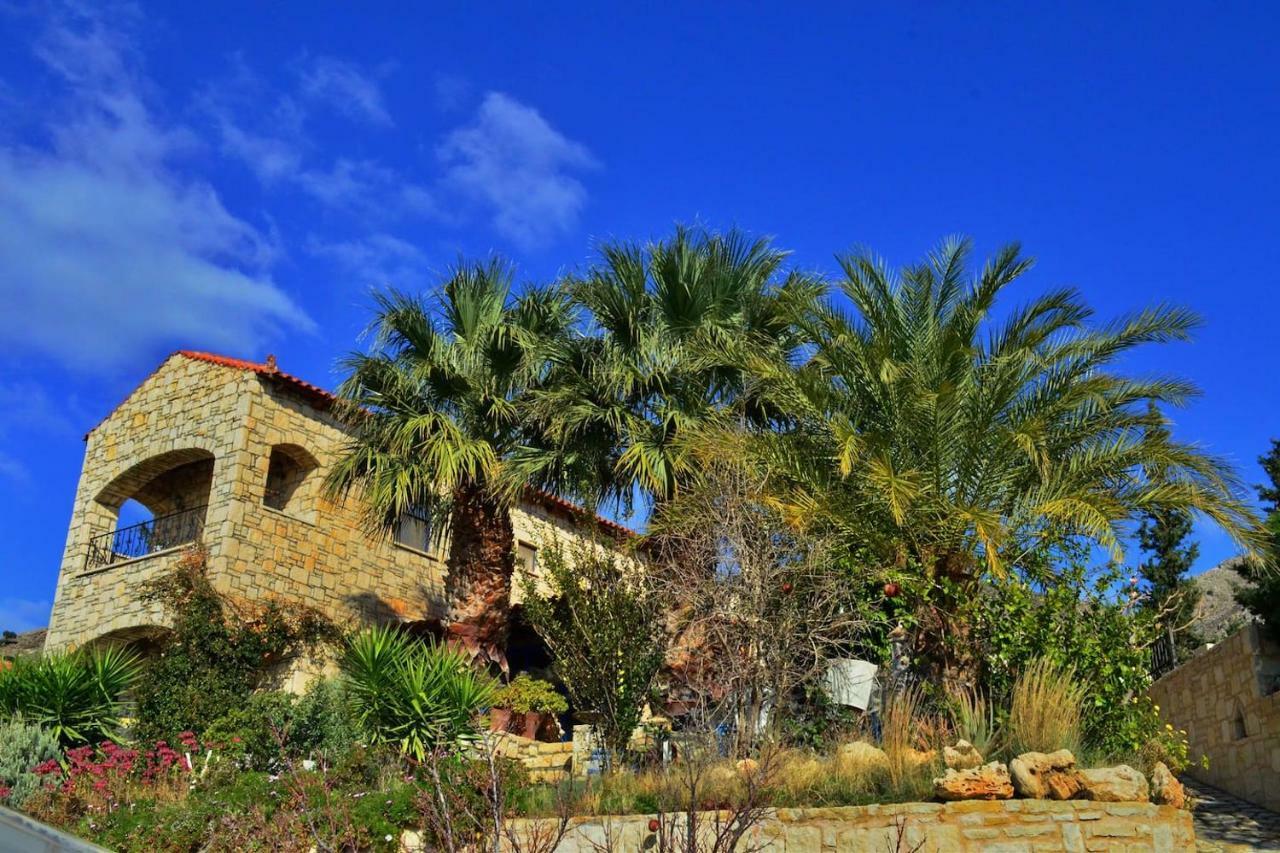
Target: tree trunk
(478, 584)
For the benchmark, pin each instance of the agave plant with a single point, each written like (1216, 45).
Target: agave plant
(77, 697)
(411, 692)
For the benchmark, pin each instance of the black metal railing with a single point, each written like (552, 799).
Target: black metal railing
(139, 540)
(1164, 654)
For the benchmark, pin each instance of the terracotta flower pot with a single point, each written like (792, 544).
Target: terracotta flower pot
(499, 719)
(537, 725)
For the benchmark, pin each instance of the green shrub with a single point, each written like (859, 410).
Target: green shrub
(273, 725)
(23, 745)
(605, 630)
(412, 693)
(76, 697)
(256, 733)
(211, 664)
(1060, 609)
(323, 725)
(525, 695)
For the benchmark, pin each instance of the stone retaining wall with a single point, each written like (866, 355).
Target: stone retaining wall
(546, 762)
(991, 827)
(1226, 698)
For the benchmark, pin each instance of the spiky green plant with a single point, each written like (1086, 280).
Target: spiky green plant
(412, 692)
(77, 697)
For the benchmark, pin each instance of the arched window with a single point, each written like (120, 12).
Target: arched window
(153, 506)
(1239, 731)
(290, 480)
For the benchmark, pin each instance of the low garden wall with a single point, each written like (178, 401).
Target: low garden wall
(1009, 825)
(546, 762)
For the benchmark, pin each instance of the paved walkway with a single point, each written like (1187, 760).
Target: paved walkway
(1225, 824)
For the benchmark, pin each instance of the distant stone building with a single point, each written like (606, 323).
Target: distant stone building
(231, 454)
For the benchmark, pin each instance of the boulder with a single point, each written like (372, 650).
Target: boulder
(962, 756)
(1046, 776)
(989, 782)
(1119, 784)
(862, 753)
(1166, 790)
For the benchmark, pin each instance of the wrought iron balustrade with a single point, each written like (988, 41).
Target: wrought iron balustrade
(139, 540)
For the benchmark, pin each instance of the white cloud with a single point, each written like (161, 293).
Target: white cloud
(367, 188)
(378, 260)
(106, 251)
(11, 468)
(27, 406)
(21, 614)
(344, 88)
(513, 163)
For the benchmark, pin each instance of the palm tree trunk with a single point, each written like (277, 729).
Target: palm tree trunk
(478, 584)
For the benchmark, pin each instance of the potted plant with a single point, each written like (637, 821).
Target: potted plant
(527, 706)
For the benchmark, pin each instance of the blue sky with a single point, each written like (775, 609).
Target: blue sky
(236, 176)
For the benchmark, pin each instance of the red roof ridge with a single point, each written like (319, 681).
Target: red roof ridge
(326, 398)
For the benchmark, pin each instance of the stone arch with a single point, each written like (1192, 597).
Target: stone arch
(292, 480)
(172, 487)
(163, 481)
(146, 639)
(1239, 725)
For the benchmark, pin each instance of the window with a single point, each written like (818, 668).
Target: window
(413, 529)
(287, 478)
(526, 558)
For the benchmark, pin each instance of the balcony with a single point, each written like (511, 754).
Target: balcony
(142, 540)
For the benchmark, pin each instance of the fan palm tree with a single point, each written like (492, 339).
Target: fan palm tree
(940, 436)
(434, 410)
(673, 324)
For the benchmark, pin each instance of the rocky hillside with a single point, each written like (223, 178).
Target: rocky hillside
(1220, 615)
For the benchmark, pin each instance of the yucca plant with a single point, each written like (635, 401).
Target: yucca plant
(974, 719)
(412, 692)
(77, 697)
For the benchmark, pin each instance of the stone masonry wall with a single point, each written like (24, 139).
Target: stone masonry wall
(1009, 826)
(197, 414)
(1226, 699)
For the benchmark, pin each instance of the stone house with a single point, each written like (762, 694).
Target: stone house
(231, 454)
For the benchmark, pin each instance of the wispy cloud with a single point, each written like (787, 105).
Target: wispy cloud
(345, 88)
(367, 188)
(513, 163)
(28, 406)
(107, 251)
(22, 614)
(376, 260)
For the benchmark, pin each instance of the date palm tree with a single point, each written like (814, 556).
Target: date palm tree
(940, 435)
(673, 326)
(434, 411)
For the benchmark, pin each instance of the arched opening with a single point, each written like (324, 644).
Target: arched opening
(146, 640)
(1239, 730)
(290, 480)
(155, 505)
